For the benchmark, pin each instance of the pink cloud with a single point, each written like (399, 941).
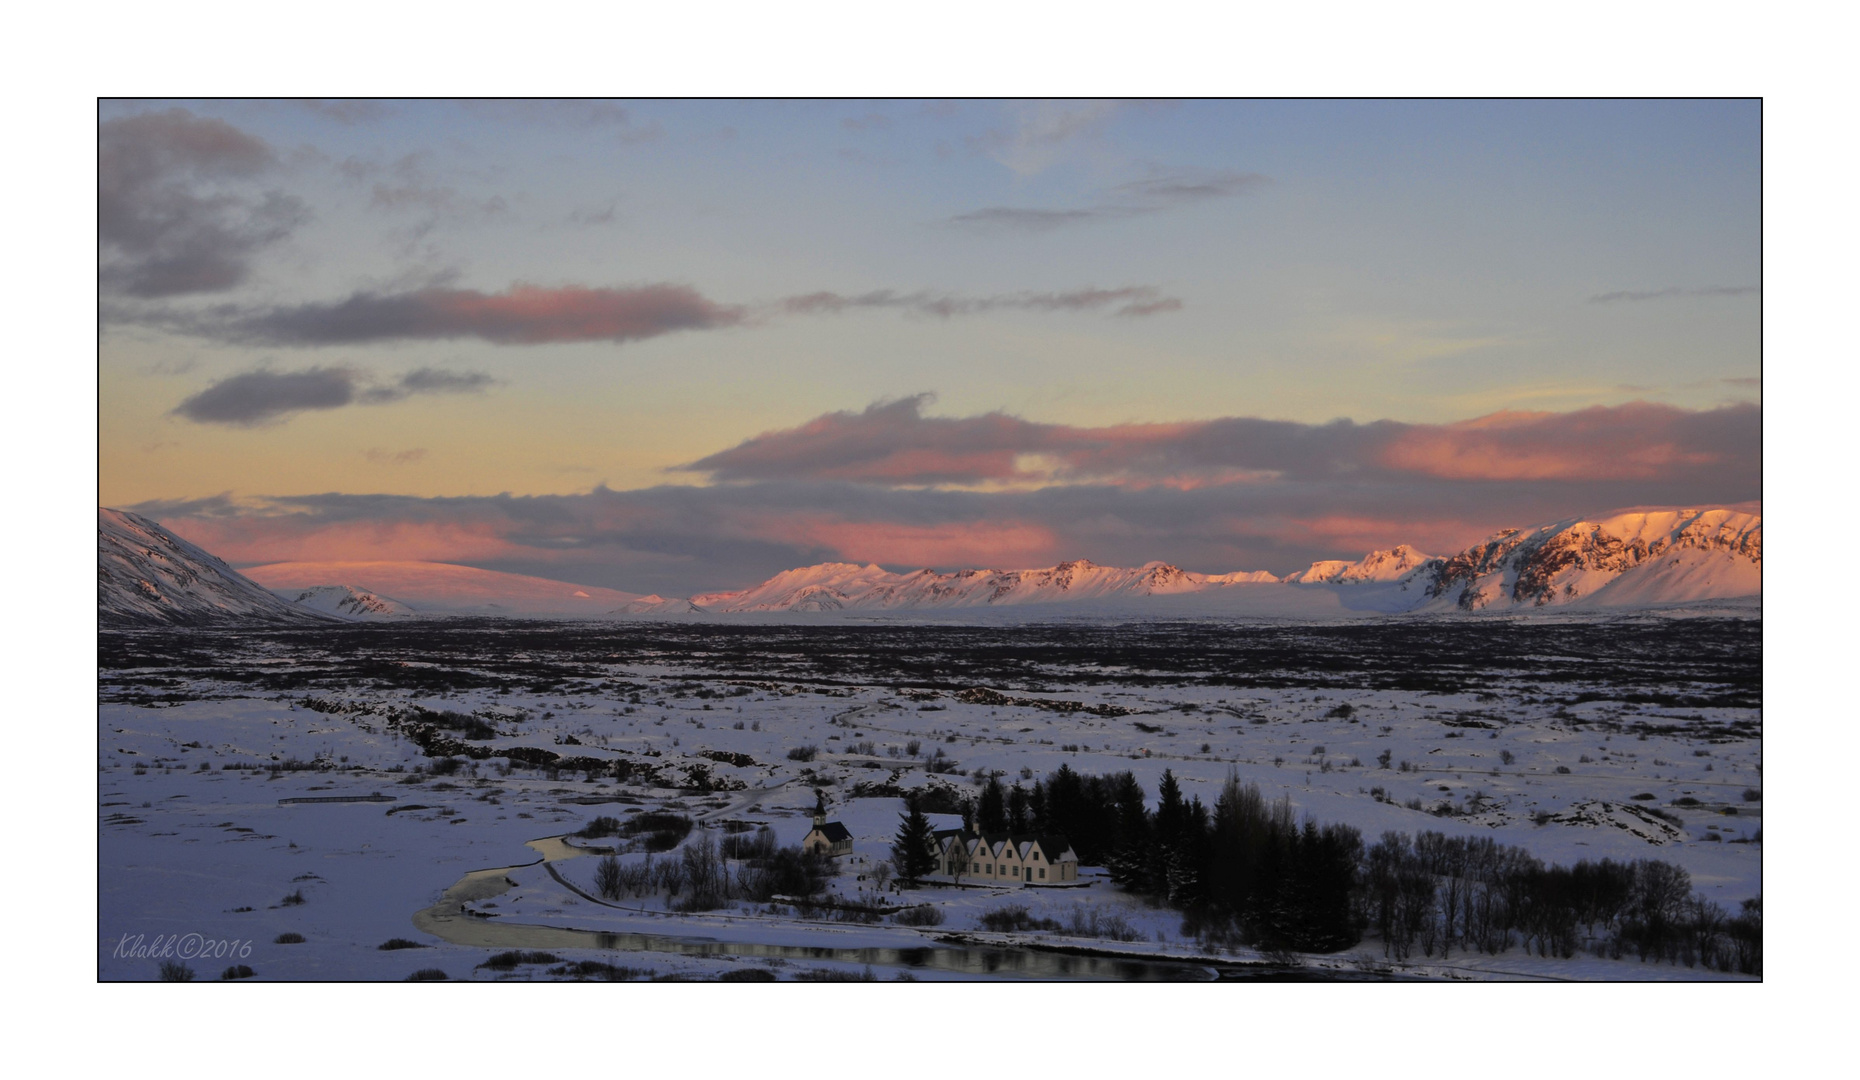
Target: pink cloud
(294, 538)
(967, 543)
(1636, 441)
(894, 443)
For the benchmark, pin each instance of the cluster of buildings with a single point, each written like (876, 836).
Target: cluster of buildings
(965, 856)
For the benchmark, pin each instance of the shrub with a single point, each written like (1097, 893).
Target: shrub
(289, 937)
(508, 961)
(804, 753)
(1015, 917)
(1507, 756)
(662, 829)
(237, 971)
(746, 846)
(398, 943)
(1644, 796)
(596, 969)
(1091, 922)
(607, 877)
(599, 827)
(293, 899)
(173, 972)
(1685, 800)
(826, 975)
(747, 975)
(919, 915)
(427, 975)
(1752, 795)
(1562, 768)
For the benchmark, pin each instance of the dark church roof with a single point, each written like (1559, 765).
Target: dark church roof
(834, 832)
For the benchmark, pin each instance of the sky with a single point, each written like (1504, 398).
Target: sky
(671, 347)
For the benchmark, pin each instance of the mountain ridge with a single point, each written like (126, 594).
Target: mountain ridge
(1642, 558)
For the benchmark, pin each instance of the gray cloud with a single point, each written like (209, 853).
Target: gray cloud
(407, 186)
(1152, 195)
(379, 456)
(1635, 295)
(346, 112)
(894, 444)
(1027, 219)
(609, 118)
(520, 315)
(535, 315)
(259, 398)
(179, 209)
(589, 215)
(1135, 300)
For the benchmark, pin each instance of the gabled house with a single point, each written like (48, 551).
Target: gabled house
(1005, 859)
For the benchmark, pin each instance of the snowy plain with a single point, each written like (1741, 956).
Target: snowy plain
(1542, 737)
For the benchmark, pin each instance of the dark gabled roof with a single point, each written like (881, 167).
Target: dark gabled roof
(834, 832)
(1054, 845)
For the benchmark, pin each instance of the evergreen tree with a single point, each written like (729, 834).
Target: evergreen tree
(1018, 810)
(1132, 861)
(991, 816)
(913, 853)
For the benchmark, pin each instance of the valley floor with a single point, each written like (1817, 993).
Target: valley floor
(1562, 739)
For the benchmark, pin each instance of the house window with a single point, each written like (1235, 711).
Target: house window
(991, 868)
(1043, 871)
(1017, 871)
(975, 868)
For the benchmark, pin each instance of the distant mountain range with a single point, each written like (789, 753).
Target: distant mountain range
(1638, 560)
(434, 588)
(1631, 560)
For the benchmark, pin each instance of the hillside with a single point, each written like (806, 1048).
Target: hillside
(147, 575)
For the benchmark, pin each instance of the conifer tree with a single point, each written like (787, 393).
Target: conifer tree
(991, 816)
(913, 853)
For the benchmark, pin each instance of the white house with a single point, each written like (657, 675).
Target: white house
(1004, 859)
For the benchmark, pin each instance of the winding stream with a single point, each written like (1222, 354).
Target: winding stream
(446, 920)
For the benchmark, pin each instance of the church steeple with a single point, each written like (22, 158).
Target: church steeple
(820, 808)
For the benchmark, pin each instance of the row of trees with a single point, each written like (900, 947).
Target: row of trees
(1248, 871)
(1440, 892)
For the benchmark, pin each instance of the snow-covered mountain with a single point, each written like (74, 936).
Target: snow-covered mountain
(433, 588)
(1377, 566)
(1630, 560)
(656, 605)
(146, 574)
(849, 586)
(348, 602)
